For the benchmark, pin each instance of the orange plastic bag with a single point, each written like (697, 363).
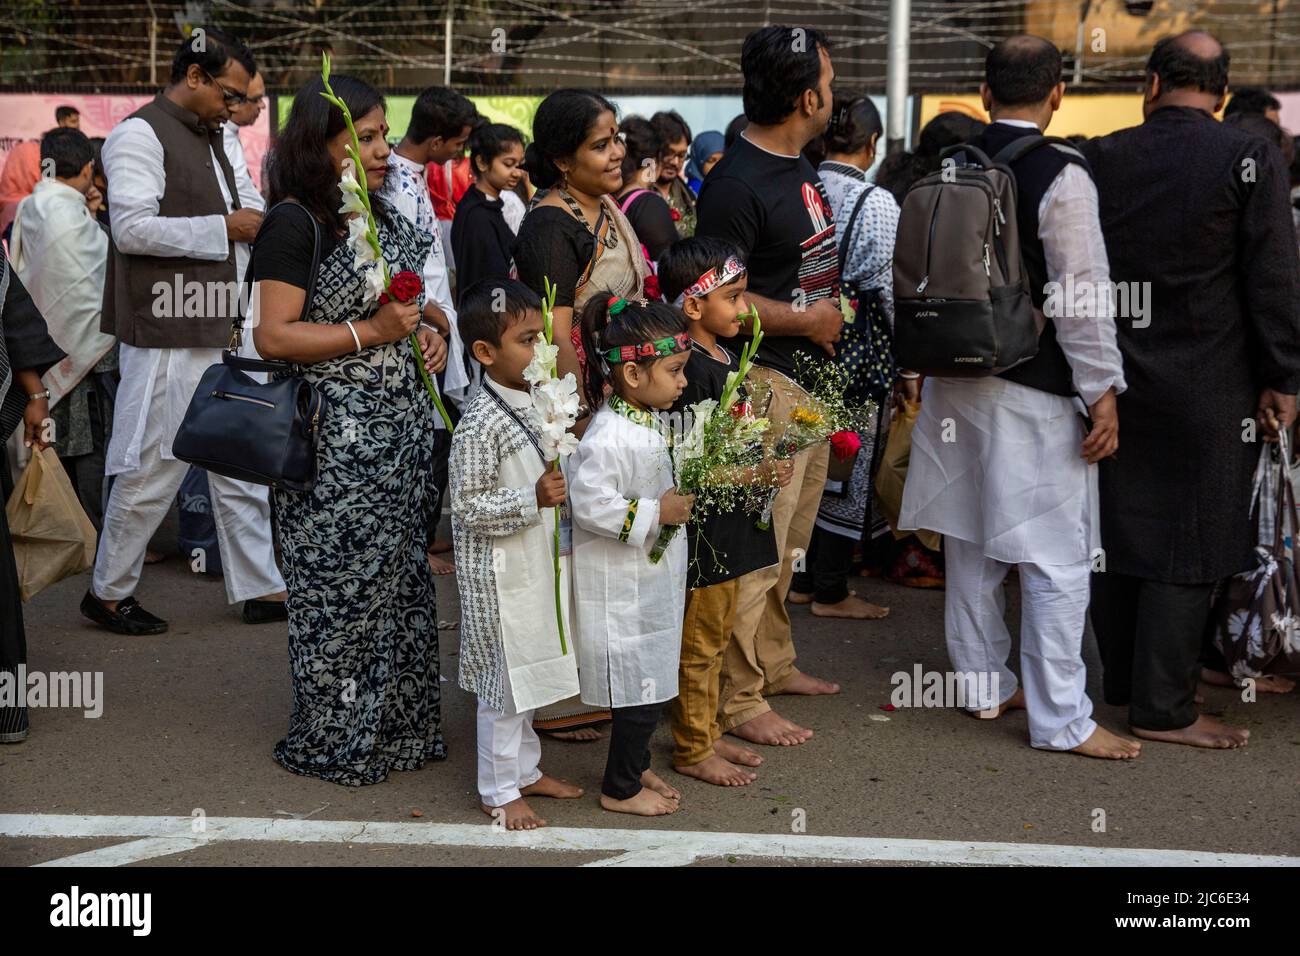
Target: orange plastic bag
(892, 474)
(53, 539)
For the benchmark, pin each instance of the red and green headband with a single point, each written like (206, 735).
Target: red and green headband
(658, 348)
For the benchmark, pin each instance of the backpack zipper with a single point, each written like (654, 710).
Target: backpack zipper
(998, 217)
(244, 398)
(934, 220)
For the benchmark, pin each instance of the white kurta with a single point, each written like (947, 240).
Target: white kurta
(59, 251)
(510, 641)
(628, 611)
(997, 463)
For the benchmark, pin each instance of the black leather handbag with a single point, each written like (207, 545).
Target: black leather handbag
(267, 434)
(866, 348)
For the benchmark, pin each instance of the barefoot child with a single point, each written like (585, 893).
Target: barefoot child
(503, 500)
(724, 547)
(628, 609)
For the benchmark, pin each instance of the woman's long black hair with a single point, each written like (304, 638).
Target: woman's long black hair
(300, 165)
(560, 126)
(632, 326)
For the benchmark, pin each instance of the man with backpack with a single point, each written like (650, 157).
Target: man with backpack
(1003, 458)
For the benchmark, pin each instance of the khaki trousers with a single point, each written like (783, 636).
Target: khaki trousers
(706, 631)
(760, 659)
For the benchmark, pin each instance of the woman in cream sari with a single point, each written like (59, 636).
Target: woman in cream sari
(575, 236)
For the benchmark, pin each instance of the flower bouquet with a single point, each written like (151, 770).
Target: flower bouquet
(363, 239)
(715, 457)
(555, 410)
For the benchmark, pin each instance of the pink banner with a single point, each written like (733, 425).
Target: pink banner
(29, 115)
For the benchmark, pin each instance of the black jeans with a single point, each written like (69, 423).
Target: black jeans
(1149, 634)
(829, 559)
(629, 749)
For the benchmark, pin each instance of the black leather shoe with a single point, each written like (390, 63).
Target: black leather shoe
(263, 612)
(129, 618)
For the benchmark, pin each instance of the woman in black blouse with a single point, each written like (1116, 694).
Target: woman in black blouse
(480, 237)
(574, 234)
(639, 199)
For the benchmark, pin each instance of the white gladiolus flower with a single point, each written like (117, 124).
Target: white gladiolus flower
(555, 409)
(351, 190)
(692, 444)
(542, 368)
(374, 276)
(359, 240)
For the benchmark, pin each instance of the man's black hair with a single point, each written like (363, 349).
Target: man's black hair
(687, 259)
(70, 149)
(1181, 68)
(63, 112)
(671, 127)
(1251, 99)
(211, 50)
(779, 64)
(1022, 70)
(489, 307)
(440, 111)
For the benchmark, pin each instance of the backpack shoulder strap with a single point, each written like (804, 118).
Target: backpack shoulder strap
(846, 242)
(1020, 148)
(630, 198)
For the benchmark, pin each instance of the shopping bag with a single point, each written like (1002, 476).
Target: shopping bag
(892, 474)
(1255, 620)
(52, 536)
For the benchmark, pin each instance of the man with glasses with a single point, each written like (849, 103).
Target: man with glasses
(676, 135)
(244, 111)
(178, 250)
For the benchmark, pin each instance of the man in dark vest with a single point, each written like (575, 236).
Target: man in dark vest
(1198, 211)
(177, 255)
(1004, 466)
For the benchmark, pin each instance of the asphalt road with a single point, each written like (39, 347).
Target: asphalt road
(189, 719)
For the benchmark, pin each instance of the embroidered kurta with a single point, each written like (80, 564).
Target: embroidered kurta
(628, 611)
(504, 558)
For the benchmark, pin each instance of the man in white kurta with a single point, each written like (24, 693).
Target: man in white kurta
(156, 388)
(996, 467)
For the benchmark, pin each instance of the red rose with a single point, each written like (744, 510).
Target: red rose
(845, 445)
(741, 409)
(677, 217)
(403, 287)
(652, 287)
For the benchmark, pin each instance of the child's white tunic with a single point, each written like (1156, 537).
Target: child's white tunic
(628, 611)
(504, 564)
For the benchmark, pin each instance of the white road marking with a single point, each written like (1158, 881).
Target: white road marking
(120, 854)
(659, 846)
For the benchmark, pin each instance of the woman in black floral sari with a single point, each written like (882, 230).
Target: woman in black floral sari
(363, 641)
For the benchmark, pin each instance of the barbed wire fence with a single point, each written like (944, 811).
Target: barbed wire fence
(678, 46)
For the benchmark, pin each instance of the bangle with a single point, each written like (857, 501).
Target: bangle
(909, 376)
(44, 394)
(355, 338)
(432, 328)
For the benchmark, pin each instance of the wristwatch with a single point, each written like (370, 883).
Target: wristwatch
(44, 394)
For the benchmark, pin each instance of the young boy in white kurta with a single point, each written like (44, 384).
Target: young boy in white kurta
(628, 609)
(503, 514)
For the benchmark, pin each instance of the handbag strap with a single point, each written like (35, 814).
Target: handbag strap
(237, 326)
(847, 242)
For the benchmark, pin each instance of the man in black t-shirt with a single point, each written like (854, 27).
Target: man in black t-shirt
(766, 199)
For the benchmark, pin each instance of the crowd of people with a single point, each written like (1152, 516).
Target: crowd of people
(660, 246)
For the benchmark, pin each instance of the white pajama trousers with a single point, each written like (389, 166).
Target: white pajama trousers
(143, 490)
(1054, 602)
(509, 750)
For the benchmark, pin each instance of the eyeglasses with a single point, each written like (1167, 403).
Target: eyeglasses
(230, 96)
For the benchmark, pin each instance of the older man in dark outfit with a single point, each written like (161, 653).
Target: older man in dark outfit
(1199, 210)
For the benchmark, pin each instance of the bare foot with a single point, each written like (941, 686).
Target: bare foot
(771, 729)
(734, 753)
(439, 546)
(1015, 702)
(1102, 743)
(547, 786)
(1267, 684)
(517, 814)
(439, 566)
(719, 772)
(582, 735)
(852, 607)
(659, 785)
(808, 686)
(796, 597)
(1205, 731)
(646, 803)
(153, 557)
